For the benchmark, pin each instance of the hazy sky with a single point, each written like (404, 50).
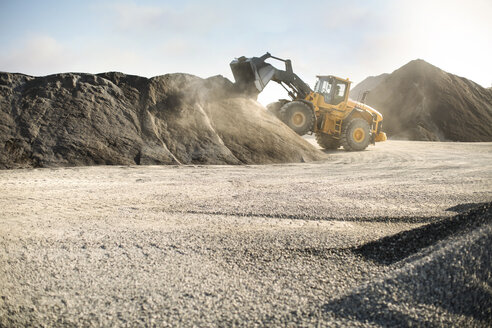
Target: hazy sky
(351, 38)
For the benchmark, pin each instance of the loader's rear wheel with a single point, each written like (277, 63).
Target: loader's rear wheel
(326, 141)
(356, 135)
(298, 116)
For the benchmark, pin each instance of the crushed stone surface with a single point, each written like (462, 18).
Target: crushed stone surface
(396, 235)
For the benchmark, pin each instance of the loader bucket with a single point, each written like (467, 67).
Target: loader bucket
(252, 74)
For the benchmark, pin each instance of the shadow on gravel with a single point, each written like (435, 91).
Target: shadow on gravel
(332, 151)
(391, 249)
(402, 219)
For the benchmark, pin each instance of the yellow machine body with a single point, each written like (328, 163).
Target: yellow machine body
(331, 115)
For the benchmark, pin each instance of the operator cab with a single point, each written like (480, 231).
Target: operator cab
(333, 89)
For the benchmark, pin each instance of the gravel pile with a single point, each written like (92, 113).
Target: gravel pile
(447, 284)
(422, 102)
(111, 118)
(394, 248)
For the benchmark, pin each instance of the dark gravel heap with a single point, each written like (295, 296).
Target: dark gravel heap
(394, 248)
(422, 102)
(448, 284)
(112, 118)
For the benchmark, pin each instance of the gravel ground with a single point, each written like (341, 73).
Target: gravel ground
(293, 244)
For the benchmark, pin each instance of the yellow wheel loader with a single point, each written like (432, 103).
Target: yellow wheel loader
(325, 111)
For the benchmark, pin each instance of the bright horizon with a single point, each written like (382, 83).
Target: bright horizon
(354, 39)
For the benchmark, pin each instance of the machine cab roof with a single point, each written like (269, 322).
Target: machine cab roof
(332, 77)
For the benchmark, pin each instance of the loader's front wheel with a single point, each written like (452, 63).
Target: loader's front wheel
(326, 141)
(356, 135)
(298, 116)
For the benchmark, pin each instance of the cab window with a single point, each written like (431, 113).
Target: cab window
(324, 88)
(339, 93)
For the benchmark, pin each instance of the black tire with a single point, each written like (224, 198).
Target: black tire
(298, 116)
(356, 135)
(274, 108)
(326, 141)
